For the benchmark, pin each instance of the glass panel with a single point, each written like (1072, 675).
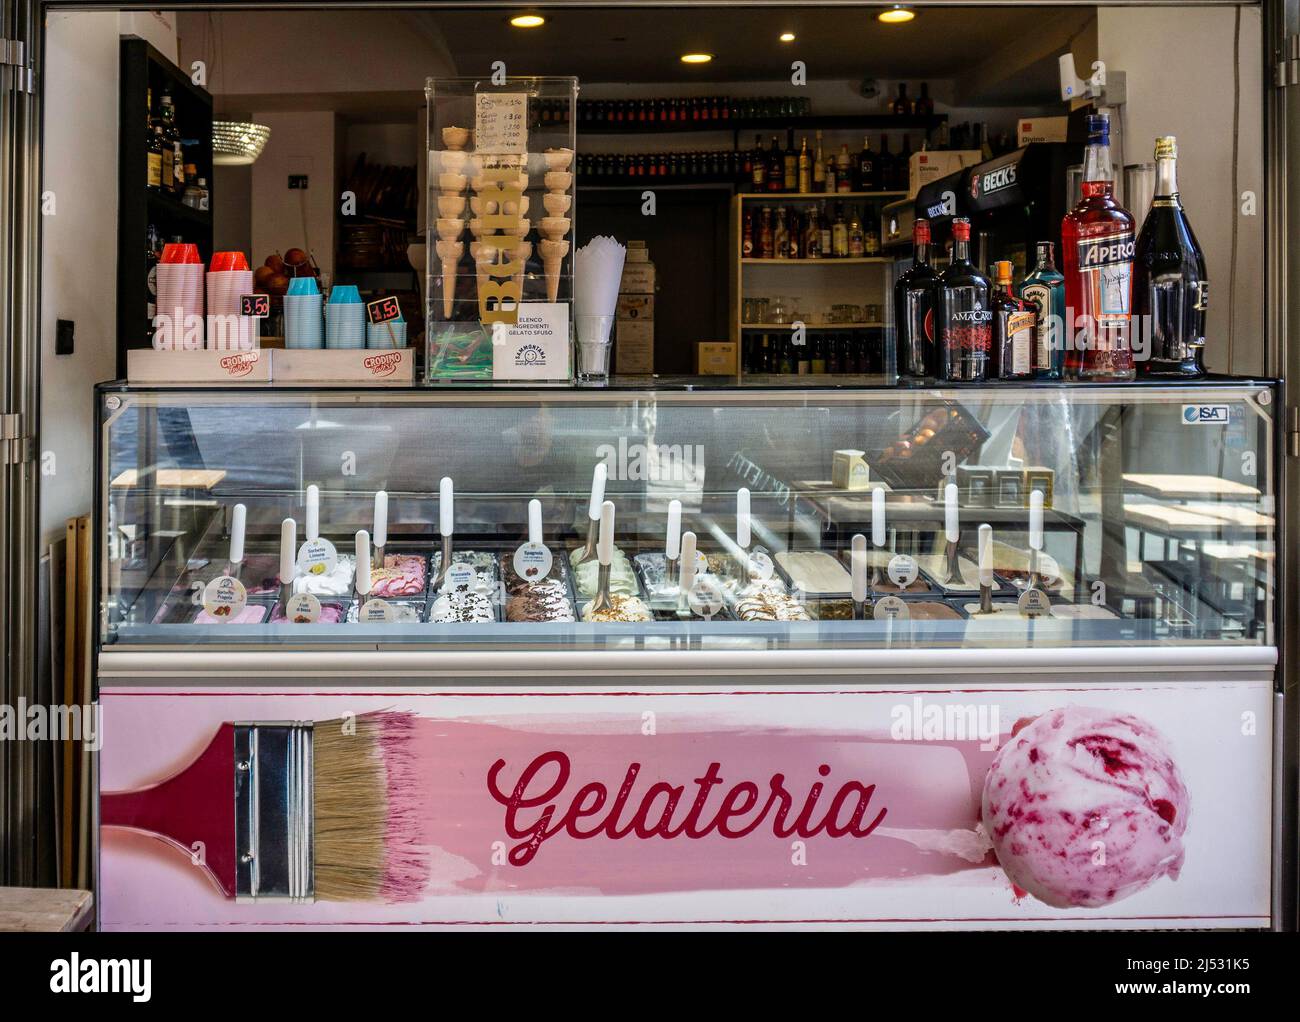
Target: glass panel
(1130, 552)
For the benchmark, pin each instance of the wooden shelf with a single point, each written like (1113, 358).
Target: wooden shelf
(812, 196)
(852, 261)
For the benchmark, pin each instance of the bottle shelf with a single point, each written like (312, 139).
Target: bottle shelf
(850, 261)
(805, 122)
(814, 326)
(812, 196)
(171, 206)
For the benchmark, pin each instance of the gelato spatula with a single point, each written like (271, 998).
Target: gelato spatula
(381, 528)
(605, 555)
(862, 610)
(593, 513)
(237, 519)
(288, 563)
(952, 577)
(446, 518)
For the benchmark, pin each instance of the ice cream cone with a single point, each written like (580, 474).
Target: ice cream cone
(484, 205)
(482, 184)
(452, 206)
(554, 228)
(558, 180)
(449, 252)
(558, 159)
(453, 161)
(553, 253)
(455, 138)
(557, 203)
(451, 184)
(450, 228)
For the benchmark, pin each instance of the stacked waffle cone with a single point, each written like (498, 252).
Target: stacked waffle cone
(554, 227)
(451, 211)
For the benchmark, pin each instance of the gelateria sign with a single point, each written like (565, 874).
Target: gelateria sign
(967, 804)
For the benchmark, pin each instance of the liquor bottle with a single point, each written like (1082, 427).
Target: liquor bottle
(805, 168)
(155, 164)
(964, 330)
(764, 362)
(825, 242)
(172, 133)
(817, 354)
(781, 235)
(775, 167)
(839, 234)
(759, 173)
(1045, 290)
(790, 164)
(914, 309)
(886, 171)
(867, 176)
(812, 235)
(794, 235)
(1170, 292)
(1097, 245)
(819, 165)
(902, 105)
(766, 235)
(831, 184)
(747, 235)
(843, 170)
(803, 359)
(787, 363)
(857, 243)
(168, 133)
(1013, 330)
(924, 104)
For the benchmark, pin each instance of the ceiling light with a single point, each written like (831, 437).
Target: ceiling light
(787, 37)
(896, 15)
(527, 21)
(238, 143)
(696, 58)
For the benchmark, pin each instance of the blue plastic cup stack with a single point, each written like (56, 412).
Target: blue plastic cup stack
(345, 318)
(386, 335)
(304, 326)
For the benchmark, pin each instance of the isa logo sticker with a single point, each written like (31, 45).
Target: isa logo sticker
(1205, 415)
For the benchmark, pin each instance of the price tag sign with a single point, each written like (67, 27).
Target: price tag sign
(255, 306)
(1034, 603)
(902, 570)
(225, 597)
(532, 561)
(891, 608)
(704, 598)
(460, 576)
(761, 567)
(376, 612)
(384, 310)
(302, 609)
(317, 557)
(501, 122)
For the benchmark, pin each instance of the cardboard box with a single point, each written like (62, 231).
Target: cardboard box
(1041, 129)
(379, 367)
(930, 165)
(638, 279)
(715, 358)
(146, 365)
(634, 347)
(635, 307)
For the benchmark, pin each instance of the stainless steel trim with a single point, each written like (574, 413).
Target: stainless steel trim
(119, 668)
(274, 811)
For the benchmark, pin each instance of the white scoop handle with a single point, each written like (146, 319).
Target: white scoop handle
(238, 519)
(858, 566)
(288, 550)
(381, 518)
(673, 540)
(951, 525)
(605, 545)
(597, 492)
(688, 562)
(878, 517)
(446, 510)
(742, 518)
(363, 562)
(534, 521)
(986, 555)
(1036, 520)
(313, 512)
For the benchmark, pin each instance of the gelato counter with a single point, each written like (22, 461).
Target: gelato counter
(683, 656)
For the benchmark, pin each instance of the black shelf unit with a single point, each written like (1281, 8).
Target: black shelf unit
(143, 68)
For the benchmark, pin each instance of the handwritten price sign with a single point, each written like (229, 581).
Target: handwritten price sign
(255, 306)
(384, 310)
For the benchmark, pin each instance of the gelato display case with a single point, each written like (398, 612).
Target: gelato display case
(961, 657)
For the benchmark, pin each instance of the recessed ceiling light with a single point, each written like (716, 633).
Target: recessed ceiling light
(896, 15)
(787, 37)
(527, 21)
(696, 58)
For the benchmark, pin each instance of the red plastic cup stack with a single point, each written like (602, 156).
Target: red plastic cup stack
(229, 279)
(179, 319)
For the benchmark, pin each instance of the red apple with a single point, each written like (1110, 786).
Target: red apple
(278, 284)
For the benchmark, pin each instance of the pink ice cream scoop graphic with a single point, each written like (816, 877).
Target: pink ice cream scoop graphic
(1086, 806)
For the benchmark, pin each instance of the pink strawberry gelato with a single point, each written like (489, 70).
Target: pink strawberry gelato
(1085, 806)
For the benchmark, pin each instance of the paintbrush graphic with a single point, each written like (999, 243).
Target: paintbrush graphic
(293, 810)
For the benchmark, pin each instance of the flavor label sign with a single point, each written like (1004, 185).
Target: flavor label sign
(501, 122)
(536, 347)
(924, 801)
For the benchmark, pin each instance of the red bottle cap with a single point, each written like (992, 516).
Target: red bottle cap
(180, 252)
(222, 261)
(961, 229)
(921, 232)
